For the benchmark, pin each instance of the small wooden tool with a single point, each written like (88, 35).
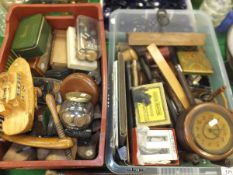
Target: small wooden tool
(168, 74)
(52, 107)
(166, 39)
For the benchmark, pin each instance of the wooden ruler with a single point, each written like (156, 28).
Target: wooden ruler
(168, 74)
(166, 39)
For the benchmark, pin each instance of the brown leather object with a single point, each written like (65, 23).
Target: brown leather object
(82, 83)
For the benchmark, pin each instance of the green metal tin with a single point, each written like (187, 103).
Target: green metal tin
(31, 37)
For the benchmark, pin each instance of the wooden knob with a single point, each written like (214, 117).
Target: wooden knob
(128, 55)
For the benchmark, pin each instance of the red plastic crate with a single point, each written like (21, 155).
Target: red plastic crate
(16, 13)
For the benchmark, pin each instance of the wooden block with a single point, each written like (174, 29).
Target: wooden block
(166, 39)
(168, 74)
(195, 62)
(58, 53)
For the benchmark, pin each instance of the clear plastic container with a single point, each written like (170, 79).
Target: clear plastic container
(88, 46)
(123, 21)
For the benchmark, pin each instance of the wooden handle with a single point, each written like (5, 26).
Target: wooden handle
(50, 101)
(135, 73)
(39, 142)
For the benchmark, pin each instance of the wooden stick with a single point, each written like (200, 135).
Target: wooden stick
(168, 74)
(166, 39)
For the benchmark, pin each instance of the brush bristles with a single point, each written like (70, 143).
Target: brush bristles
(1, 120)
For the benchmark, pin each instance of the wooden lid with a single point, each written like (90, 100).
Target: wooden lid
(80, 82)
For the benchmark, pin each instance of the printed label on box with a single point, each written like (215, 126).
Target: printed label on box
(154, 111)
(150, 105)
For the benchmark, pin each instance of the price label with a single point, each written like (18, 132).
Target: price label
(227, 171)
